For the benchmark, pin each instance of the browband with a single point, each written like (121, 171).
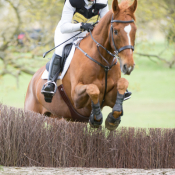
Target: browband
(112, 21)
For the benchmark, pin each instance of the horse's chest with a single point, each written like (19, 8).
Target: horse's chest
(111, 92)
(108, 85)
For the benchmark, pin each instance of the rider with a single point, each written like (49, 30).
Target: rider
(77, 15)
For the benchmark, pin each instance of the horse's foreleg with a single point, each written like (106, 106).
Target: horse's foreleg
(122, 85)
(114, 118)
(82, 93)
(81, 97)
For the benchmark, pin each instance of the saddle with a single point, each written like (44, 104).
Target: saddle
(66, 50)
(75, 115)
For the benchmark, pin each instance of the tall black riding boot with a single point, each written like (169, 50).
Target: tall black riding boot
(50, 87)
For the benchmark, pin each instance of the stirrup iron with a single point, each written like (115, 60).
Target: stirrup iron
(47, 92)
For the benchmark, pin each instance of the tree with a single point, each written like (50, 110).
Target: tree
(22, 16)
(162, 14)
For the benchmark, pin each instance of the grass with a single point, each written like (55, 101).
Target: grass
(153, 87)
(152, 84)
(10, 94)
(1, 168)
(153, 99)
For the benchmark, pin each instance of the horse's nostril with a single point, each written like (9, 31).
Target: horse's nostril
(125, 67)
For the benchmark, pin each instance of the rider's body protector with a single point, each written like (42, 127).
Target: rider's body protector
(82, 14)
(74, 13)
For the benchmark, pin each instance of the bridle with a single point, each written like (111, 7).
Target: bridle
(107, 68)
(111, 34)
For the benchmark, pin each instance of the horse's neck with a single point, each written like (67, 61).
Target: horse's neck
(101, 35)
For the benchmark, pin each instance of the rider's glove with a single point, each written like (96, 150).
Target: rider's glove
(86, 26)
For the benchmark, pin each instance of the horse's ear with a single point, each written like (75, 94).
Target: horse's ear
(115, 6)
(133, 6)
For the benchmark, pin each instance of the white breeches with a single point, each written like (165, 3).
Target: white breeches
(60, 38)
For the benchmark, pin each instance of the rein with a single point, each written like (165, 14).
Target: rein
(107, 68)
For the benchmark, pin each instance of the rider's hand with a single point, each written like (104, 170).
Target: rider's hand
(86, 26)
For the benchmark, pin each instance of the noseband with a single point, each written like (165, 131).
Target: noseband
(107, 68)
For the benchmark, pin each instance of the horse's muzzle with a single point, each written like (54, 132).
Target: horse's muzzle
(127, 69)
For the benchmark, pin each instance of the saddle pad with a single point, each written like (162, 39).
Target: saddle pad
(65, 54)
(66, 66)
(67, 63)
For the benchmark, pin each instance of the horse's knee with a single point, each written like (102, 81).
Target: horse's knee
(122, 85)
(82, 93)
(93, 92)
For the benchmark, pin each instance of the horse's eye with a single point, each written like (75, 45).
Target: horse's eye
(115, 32)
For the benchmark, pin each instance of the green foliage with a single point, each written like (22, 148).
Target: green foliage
(161, 12)
(25, 16)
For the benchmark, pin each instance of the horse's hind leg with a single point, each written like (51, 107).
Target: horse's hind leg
(81, 96)
(32, 104)
(114, 118)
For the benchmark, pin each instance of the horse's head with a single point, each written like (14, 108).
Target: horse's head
(123, 31)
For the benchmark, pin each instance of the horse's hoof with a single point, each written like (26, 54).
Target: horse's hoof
(95, 126)
(111, 123)
(93, 123)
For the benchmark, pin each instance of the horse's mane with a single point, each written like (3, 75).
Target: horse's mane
(124, 5)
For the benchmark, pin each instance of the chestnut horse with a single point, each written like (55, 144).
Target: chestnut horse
(94, 71)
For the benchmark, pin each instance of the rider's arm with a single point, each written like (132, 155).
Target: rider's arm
(104, 11)
(65, 24)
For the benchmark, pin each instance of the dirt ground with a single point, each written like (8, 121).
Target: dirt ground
(81, 171)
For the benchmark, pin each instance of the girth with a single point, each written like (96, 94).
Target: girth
(74, 114)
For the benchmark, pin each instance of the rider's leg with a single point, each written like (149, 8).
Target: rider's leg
(55, 65)
(55, 68)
